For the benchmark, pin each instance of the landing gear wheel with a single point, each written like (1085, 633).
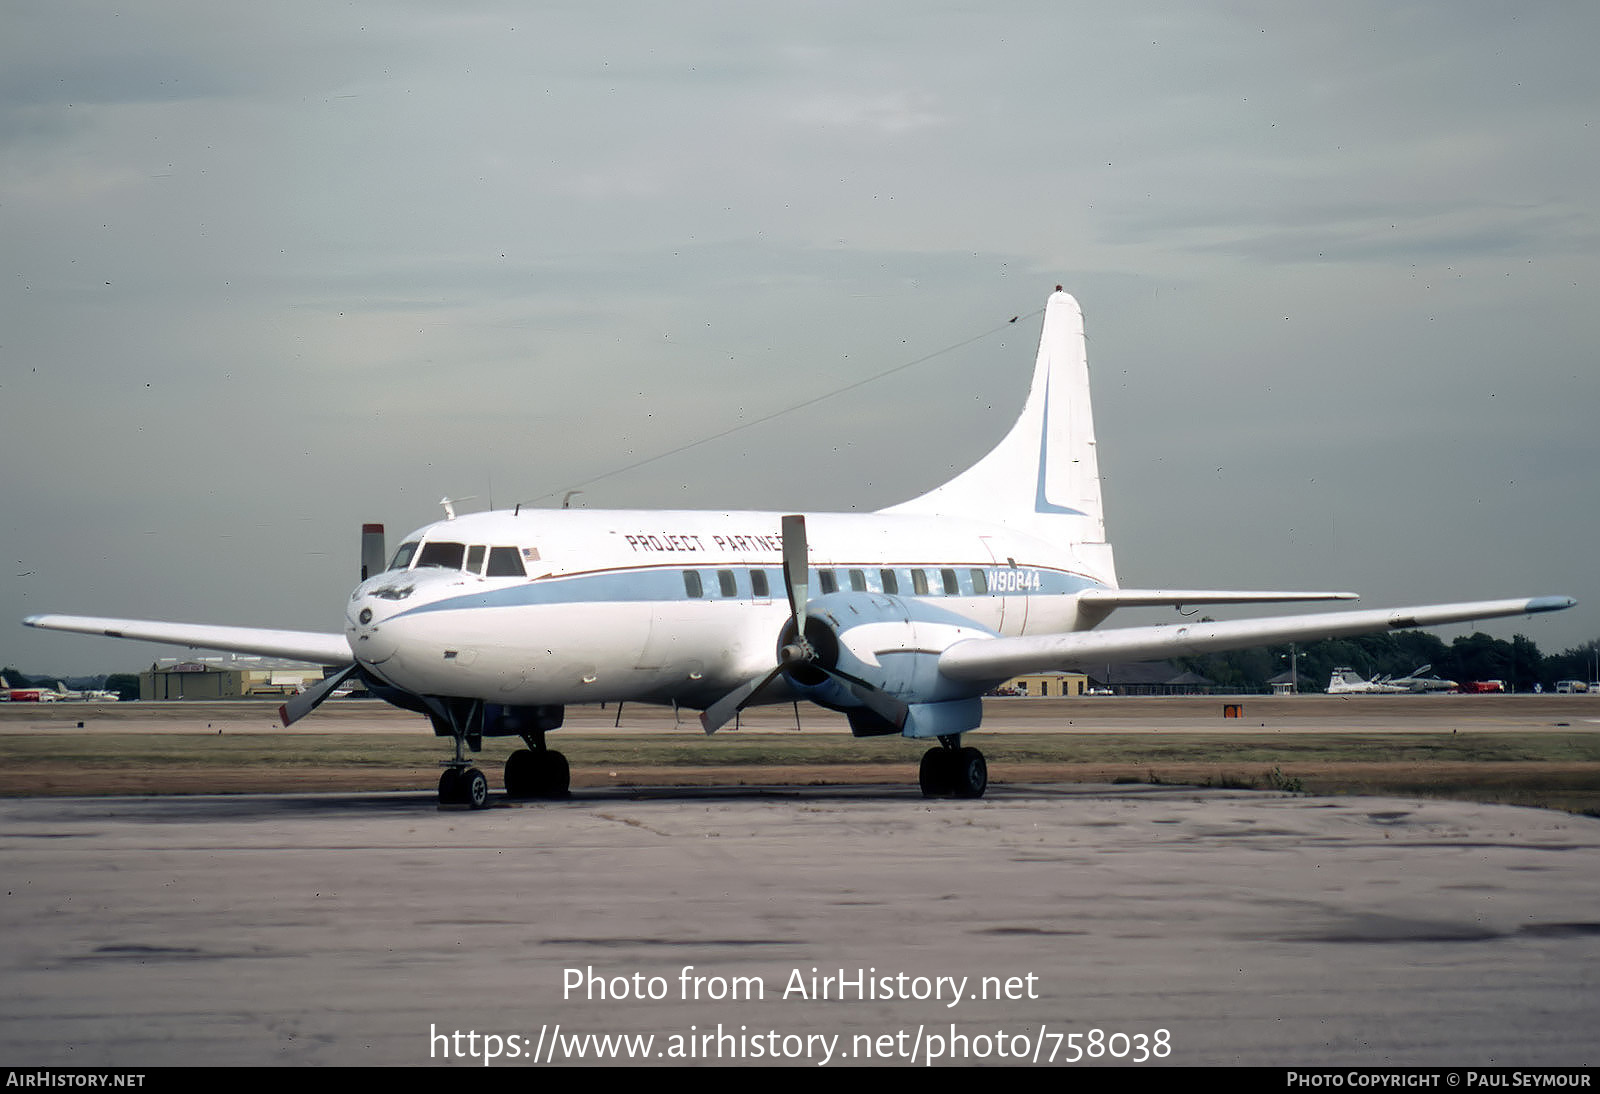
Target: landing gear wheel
(520, 776)
(451, 791)
(970, 773)
(556, 776)
(537, 774)
(474, 788)
(937, 773)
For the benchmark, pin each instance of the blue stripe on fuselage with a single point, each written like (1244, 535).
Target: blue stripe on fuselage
(661, 584)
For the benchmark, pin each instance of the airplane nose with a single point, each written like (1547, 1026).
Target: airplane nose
(367, 640)
(369, 608)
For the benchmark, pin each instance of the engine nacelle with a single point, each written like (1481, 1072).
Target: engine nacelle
(890, 644)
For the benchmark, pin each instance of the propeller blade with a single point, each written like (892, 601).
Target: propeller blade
(875, 699)
(795, 563)
(722, 712)
(796, 584)
(372, 557)
(300, 705)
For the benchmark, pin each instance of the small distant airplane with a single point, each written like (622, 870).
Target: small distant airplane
(54, 694)
(1348, 682)
(26, 695)
(87, 694)
(1419, 681)
(491, 623)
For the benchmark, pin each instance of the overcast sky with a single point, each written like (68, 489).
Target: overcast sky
(274, 270)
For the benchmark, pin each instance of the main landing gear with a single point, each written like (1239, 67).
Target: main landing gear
(951, 771)
(536, 772)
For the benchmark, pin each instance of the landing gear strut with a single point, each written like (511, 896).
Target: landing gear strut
(952, 771)
(460, 783)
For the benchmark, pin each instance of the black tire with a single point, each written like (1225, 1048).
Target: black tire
(522, 774)
(970, 773)
(936, 774)
(555, 777)
(475, 788)
(451, 791)
(537, 774)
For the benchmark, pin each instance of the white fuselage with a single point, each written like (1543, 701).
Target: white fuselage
(673, 606)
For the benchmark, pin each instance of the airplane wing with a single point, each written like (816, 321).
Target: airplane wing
(318, 649)
(1000, 658)
(1147, 598)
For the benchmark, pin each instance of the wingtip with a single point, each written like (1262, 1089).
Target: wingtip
(1551, 603)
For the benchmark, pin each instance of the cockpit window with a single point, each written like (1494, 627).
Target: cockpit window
(475, 558)
(402, 557)
(505, 562)
(445, 555)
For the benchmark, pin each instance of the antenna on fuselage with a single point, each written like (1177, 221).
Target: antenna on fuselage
(450, 505)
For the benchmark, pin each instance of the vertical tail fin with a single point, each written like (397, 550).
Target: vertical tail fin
(1044, 476)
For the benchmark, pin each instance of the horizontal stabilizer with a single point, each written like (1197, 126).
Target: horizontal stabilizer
(1000, 658)
(318, 649)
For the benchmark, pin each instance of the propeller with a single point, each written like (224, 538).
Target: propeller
(310, 699)
(799, 653)
(373, 561)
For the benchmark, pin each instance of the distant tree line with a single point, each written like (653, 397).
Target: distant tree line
(125, 684)
(1518, 663)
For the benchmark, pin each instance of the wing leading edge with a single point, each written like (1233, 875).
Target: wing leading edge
(318, 649)
(1000, 658)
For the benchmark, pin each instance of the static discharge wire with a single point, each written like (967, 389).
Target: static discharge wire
(815, 399)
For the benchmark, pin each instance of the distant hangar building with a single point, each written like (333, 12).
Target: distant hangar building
(225, 678)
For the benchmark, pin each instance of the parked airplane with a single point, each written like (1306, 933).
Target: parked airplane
(10, 694)
(491, 623)
(1349, 682)
(1345, 681)
(1416, 681)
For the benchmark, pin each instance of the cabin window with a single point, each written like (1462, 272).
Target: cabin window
(506, 562)
(402, 557)
(758, 584)
(691, 584)
(726, 583)
(980, 582)
(919, 582)
(447, 556)
(858, 581)
(951, 585)
(890, 585)
(827, 582)
(475, 558)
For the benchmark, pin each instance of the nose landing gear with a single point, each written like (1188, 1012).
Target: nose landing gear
(464, 786)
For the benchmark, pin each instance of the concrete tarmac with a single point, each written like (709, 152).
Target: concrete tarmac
(1190, 927)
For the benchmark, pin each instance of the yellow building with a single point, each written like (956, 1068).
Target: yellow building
(1038, 685)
